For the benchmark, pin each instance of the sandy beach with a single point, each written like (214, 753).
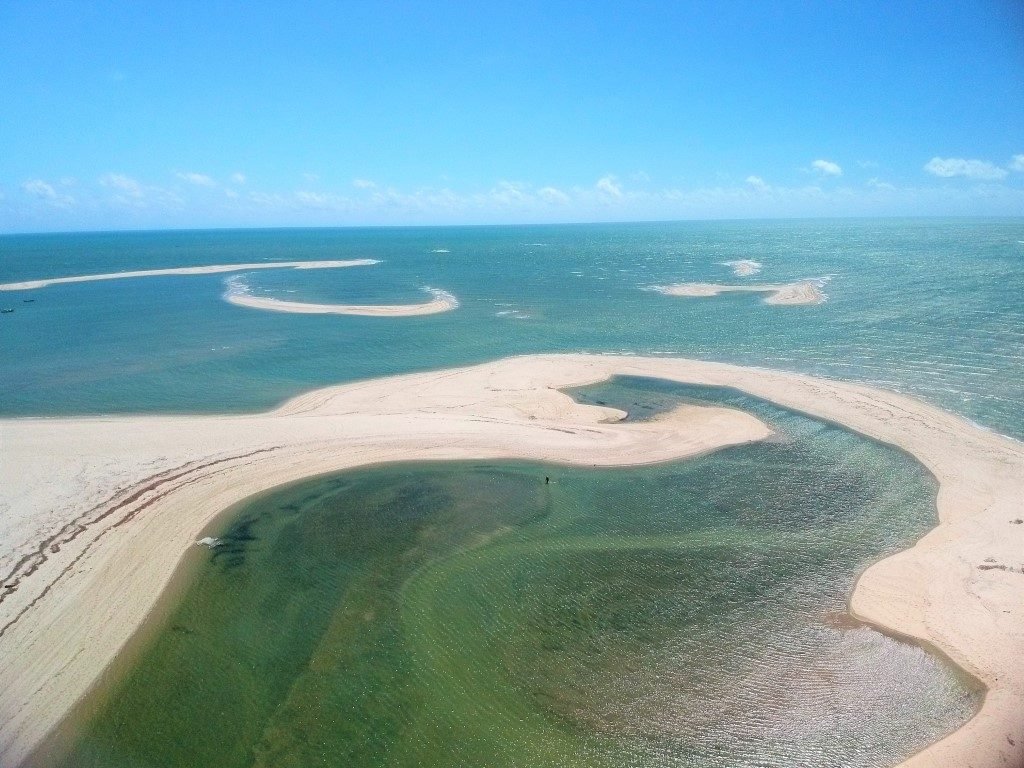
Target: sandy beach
(442, 302)
(800, 292)
(97, 513)
(212, 269)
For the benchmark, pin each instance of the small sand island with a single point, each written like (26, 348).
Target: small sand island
(743, 267)
(442, 302)
(99, 512)
(212, 269)
(799, 292)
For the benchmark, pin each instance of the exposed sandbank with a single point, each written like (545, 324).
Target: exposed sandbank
(442, 302)
(743, 267)
(95, 513)
(800, 292)
(208, 270)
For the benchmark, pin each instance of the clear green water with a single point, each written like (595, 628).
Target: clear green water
(465, 614)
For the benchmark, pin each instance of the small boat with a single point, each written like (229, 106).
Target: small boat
(6, 310)
(27, 301)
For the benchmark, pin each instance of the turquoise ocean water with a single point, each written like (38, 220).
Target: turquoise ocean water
(686, 614)
(931, 307)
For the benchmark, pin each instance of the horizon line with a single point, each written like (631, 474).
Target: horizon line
(486, 225)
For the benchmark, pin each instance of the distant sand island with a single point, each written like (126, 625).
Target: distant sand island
(213, 269)
(238, 294)
(799, 292)
(98, 512)
(442, 302)
(743, 267)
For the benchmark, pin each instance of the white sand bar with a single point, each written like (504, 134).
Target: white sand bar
(208, 270)
(96, 513)
(743, 267)
(800, 292)
(442, 302)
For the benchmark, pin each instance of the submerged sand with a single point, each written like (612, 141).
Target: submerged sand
(442, 302)
(96, 513)
(207, 270)
(800, 292)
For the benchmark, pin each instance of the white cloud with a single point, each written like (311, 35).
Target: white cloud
(552, 195)
(117, 197)
(238, 178)
(363, 184)
(608, 186)
(199, 179)
(980, 170)
(1017, 164)
(510, 193)
(122, 183)
(321, 201)
(827, 168)
(44, 191)
(39, 188)
(136, 196)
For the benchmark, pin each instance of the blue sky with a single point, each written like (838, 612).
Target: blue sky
(121, 115)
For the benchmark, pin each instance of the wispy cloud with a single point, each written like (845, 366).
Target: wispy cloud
(117, 199)
(39, 188)
(553, 195)
(238, 178)
(827, 168)
(122, 183)
(45, 191)
(884, 186)
(950, 167)
(133, 194)
(199, 179)
(321, 200)
(609, 186)
(509, 193)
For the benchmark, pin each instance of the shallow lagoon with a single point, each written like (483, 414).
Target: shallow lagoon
(463, 614)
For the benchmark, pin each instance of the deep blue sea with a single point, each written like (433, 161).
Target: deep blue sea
(932, 307)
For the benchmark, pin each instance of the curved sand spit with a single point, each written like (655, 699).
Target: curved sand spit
(96, 513)
(442, 302)
(800, 292)
(208, 270)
